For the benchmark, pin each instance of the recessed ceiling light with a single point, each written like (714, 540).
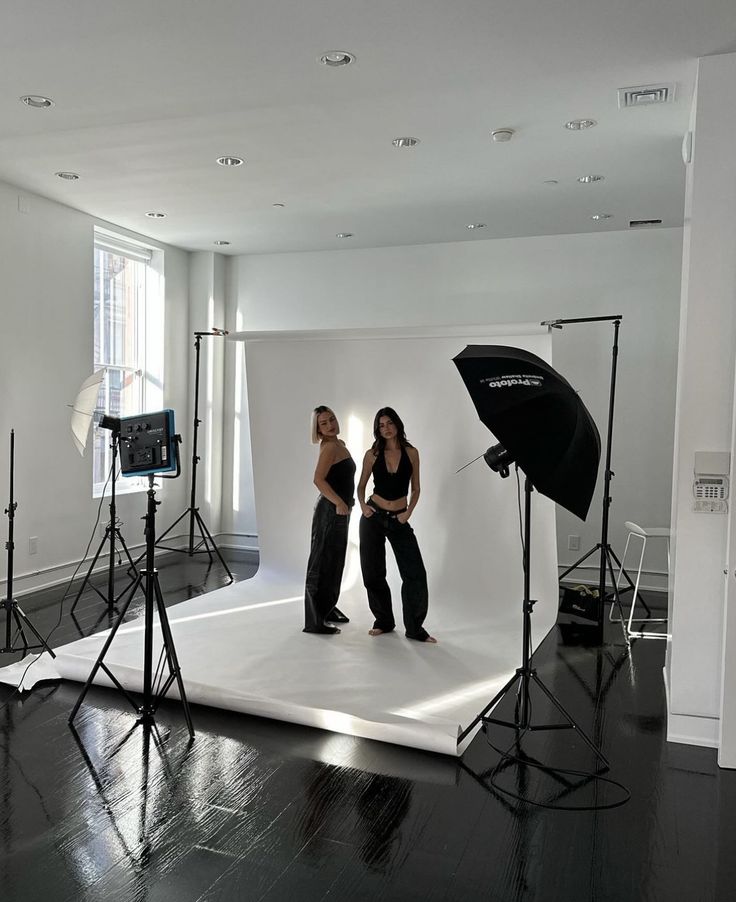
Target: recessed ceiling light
(230, 161)
(501, 135)
(221, 243)
(153, 214)
(37, 101)
(69, 176)
(550, 182)
(475, 225)
(599, 217)
(344, 235)
(405, 142)
(337, 58)
(589, 179)
(278, 205)
(576, 125)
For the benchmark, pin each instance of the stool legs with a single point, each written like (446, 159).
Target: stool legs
(639, 634)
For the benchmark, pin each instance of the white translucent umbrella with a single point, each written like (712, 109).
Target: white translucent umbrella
(83, 409)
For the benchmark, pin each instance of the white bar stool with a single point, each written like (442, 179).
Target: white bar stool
(645, 533)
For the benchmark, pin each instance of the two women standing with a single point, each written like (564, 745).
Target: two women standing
(394, 465)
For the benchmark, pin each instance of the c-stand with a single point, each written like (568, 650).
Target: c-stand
(13, 611)
(206, 544)
(155, 686)
(112, 533)
(607, 554)
(526, 675)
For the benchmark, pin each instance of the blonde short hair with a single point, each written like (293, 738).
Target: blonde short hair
(320, 409)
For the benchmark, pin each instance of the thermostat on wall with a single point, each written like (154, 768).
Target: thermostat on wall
(710, 486)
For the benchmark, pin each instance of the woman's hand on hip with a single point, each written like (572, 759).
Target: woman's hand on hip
(341, 509)
(367, 509)
(403, 517)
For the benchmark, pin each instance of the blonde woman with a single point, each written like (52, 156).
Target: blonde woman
(334, 476)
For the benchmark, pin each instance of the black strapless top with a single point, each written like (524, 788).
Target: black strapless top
(392, 486)
(341, 479)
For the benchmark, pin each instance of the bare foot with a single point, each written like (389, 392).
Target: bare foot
(431, 639)
(376, 632)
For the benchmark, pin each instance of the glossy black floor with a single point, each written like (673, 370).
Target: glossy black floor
(259, 810)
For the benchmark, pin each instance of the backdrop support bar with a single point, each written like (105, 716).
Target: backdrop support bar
(582, 319)
(603, 547)
(206, 543)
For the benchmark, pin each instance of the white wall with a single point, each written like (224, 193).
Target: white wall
(207, 310)
(704, 408)
(636, 274)
(46, 273)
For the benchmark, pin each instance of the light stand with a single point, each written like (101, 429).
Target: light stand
(155, 686)
(112, 534)
(526, 675)
(607, 554)
(13, 611)
(192, 511)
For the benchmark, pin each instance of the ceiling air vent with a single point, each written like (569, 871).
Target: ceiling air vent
(643, 95)
(643, 223)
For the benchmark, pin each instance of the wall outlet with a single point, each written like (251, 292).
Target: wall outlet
(573, 543)
(32, 544)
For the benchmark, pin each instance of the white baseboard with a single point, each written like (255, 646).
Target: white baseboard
(690, 729)
(60, 574)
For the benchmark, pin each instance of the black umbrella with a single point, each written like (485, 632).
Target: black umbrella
(538, 418)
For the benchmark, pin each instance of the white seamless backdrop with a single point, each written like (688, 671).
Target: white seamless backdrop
(466, 523)
(242, 647)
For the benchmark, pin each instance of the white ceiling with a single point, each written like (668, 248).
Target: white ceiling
(148, 95)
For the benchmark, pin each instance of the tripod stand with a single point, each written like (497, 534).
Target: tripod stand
(155, 686)
(526, 675)
(112, 534)
(13, 611)
(206, 544)
(603, 547)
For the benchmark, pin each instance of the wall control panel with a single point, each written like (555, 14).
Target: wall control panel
(710, 485)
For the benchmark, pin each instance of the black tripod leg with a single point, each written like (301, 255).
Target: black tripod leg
(131, 566)
(101, 656)
(489, 707)
(171, 653)
(18, 615)
(578, 562)
(91, 568)
(166, 532)
(617, 598)
(588, 741)
(206, 532)
(19, 631)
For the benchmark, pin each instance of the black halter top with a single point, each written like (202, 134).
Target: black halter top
(392, 486)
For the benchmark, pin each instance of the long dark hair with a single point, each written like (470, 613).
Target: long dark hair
(379, 444)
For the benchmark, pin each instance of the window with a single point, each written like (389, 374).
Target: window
(128, 340)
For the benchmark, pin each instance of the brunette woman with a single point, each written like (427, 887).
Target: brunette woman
(394, 465)
(335, 479)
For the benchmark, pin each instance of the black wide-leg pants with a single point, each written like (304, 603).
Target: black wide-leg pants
(414, 593)
(325, 565)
